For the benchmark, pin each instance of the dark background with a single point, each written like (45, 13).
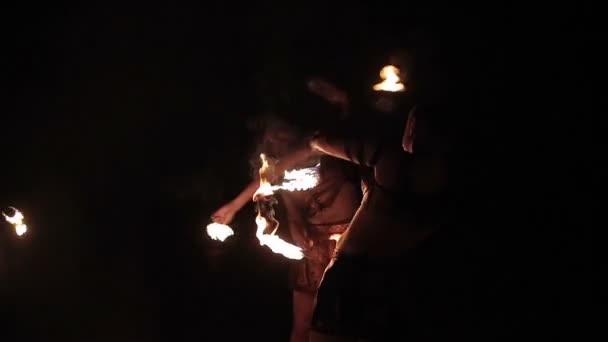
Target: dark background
(124, 126)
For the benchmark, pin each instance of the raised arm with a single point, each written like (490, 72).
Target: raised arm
(358, 151)
(385, 158)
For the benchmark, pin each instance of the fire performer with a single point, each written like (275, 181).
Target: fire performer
(403, 163)
(316, 218)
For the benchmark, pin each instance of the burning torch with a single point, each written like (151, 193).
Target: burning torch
(17, 221)
(267, 224)
(391, 82)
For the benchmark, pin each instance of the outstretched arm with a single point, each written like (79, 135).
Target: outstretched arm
(226, 213)
(330, 93)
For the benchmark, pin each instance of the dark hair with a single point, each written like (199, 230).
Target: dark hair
(269, 123)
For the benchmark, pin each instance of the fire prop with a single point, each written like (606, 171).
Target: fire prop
(335, 237)
(298, 180)
(391, 81)
(17, 221)
(219, 231)
(267, 225)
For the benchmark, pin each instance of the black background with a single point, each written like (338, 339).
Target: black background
(124, 126)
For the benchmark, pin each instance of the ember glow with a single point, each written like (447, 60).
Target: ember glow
(335, 237)
(294, 180)
(218, 231)
(17, 221)
(391, 81)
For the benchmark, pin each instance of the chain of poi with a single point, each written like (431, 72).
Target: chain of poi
(267, 224)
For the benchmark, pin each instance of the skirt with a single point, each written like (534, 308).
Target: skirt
(305, 275)
(419, 294)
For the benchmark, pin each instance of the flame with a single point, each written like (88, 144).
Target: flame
(275, 243)
(335, 237)
(265, 189)
(17, 221)
(293, 180)
(391, 81)
(218, 231)
(301, 179)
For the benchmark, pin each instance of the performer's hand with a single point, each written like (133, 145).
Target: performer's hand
(315, 142)
(225, 214)
(321, 146)
(329, 92)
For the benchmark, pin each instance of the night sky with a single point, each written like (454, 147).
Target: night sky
(125, 126)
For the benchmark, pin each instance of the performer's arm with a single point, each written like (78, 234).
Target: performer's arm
(226, 213)
(386, 159)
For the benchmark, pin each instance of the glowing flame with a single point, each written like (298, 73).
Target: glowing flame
(218, 231)
(17, 221)
(275, 243)
(265, 172)
(294, 180)
(391, 81)
(335, 237)
(302, 179)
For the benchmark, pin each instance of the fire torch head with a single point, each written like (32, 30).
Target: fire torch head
(390, 93)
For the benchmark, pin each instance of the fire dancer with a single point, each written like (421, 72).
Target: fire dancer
(363, 294)
(316, 218)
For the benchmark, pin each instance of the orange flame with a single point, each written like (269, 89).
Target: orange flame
(391, 81)
(275, 243)
(294, 180)
(17, 221)
(335, 237)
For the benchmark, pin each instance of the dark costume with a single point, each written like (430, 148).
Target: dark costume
(367, 297)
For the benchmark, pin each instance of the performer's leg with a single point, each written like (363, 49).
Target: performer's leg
(303, 303)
